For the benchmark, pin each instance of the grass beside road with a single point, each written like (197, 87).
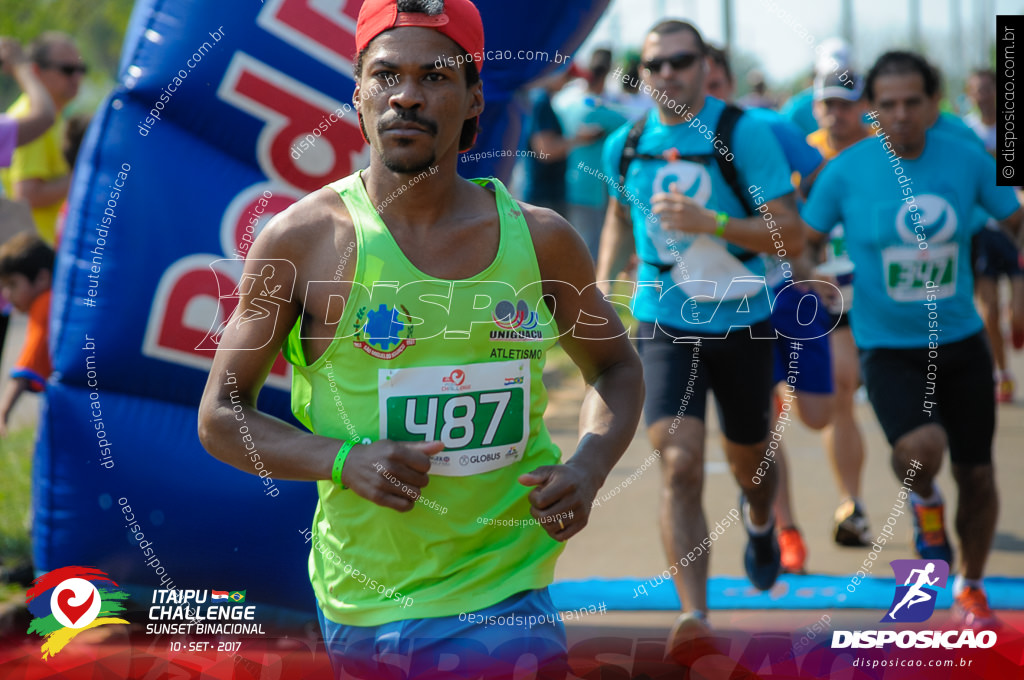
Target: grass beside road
(15, 497)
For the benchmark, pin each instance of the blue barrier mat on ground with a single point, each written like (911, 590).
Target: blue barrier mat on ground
(790, 592)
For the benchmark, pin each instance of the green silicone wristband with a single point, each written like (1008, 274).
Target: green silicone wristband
(721, 219)
(339, 461)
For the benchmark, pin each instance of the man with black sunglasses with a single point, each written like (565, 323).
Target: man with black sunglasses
(694, 222)
(39, 174)
(40, 116)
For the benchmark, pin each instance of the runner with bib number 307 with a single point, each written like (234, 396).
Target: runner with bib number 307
(429, 404)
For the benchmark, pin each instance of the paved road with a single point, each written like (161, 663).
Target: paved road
(622, 538)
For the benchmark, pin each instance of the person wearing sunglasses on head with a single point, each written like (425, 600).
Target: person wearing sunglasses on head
(41, 112)
(39, 174)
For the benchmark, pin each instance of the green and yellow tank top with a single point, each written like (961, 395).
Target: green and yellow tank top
(418, 358)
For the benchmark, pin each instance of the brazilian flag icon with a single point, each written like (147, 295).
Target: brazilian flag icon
(237, 596)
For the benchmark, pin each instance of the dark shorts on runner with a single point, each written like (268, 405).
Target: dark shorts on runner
(995, 254)
(840, 320)
(737, 368)
(962, 398)
(803, 326)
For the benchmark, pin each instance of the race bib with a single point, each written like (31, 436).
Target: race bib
(480, 412)
(908, 269)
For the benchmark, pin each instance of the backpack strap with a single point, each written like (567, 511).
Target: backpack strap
(726, 125)
(629, 151)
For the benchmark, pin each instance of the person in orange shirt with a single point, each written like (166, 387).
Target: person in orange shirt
(26, 267)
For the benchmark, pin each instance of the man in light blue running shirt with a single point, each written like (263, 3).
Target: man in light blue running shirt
(905, 195)
(701, 275)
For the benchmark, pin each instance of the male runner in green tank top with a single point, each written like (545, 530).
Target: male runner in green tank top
(421, 361)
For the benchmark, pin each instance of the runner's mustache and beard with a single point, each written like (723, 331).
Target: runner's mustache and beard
(407, 116)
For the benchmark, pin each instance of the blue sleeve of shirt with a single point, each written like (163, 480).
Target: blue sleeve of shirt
(801, 156)
(950, 124)
(999, 202)
(759, 160)
(821, 210)
(610, 156)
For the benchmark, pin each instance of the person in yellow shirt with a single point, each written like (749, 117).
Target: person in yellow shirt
(39, 174)
(41, 113)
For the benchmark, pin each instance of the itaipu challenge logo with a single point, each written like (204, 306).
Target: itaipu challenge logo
(69, 600)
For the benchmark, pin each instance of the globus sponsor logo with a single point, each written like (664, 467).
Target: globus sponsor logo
(918, 639)
(479, 458)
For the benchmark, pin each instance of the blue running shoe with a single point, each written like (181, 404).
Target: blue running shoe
(930, 539)
(762, 558)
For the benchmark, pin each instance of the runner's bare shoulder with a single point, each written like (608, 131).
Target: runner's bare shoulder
(556, 243)
(306, 229)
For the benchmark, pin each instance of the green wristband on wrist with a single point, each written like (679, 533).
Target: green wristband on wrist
(339, 462)
(721, 219)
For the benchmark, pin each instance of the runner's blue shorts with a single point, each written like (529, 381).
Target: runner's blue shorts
(801, 313)
(523, 629)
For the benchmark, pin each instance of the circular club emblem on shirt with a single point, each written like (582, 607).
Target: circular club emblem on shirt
(691, 179)
(933, 214)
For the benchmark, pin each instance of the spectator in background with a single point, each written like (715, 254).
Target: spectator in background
(833, 57)
(590, 115)
(26, 268)
(544, 169)
(74, 132)
(995, 254)
(15, 132)
(758, 97)
(39, 174)
(981, 90)
(40, 111)
(631, 101)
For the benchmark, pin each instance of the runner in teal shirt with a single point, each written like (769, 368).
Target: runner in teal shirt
(905, 196)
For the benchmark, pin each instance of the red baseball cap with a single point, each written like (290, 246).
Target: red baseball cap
(459, 20)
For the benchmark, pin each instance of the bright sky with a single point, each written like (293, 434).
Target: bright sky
(759, 29)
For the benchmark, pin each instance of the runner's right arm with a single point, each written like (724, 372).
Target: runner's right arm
(248, 348)
(41, 111)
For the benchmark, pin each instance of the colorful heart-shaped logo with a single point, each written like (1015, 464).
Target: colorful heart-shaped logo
(73, 612)
(75, 603)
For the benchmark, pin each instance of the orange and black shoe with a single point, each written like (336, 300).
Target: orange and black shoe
(970, 610)
(794, 551)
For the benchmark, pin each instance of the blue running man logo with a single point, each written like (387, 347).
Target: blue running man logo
(914, 601)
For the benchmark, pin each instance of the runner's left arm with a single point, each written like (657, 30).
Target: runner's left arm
(596, 341)
(1013, 224)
